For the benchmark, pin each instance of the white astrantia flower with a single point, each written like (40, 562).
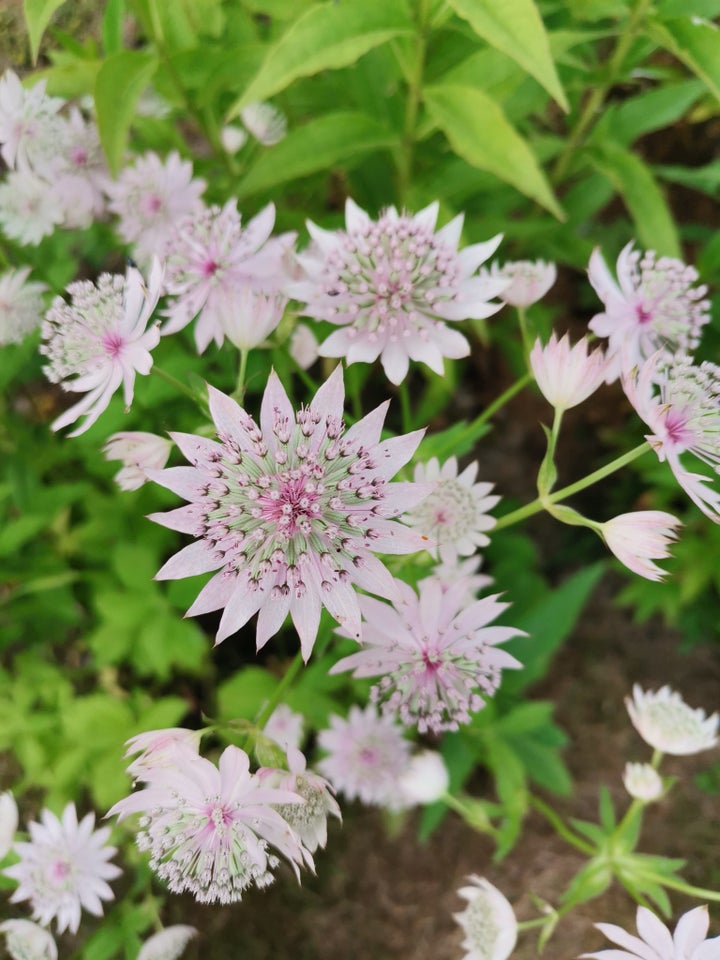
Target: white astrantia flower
(233, 138)
(29, 124)
(8, 822)
(168, 944)
(266, 123)
(655, 942)
(251, 317)
(667, 723)
(639, 538)
(303, 346)
(455, 515)
(156, 749)
(449, 575)
(64, 868)
(426, 778)
(21, 305)
(566, 375)
(643, 782)
(285, 727)
(25, 940)
(139, 453)
(488, 921)
(80, 175)
(528, 281)
(29, 210)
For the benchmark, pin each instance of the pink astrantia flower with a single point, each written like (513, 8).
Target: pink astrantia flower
(528, 281)
(252, 318)
(455, 515)
(303, 346)
(64, 868)
(366, 756)
(100, 340)
(391, 285)
(29, 210)
(437, 658)
(638, 538)
(209, 829)
(285, 727)
(462, 571)
(654, 305)
(567, 375)
(150, 197)
(655, 942)
(211, 260)
(80, 175)
(488, 921)
(8, 822)
(29, 122)
(680, 402)
(291, 512)
(667, 723)
(139, 453)
(156, 749)
(21, 305)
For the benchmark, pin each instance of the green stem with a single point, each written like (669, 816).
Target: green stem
(412, 104)
(276, 698)
(525, 333)
(406, 412)
(169, 378)
(537, 505)
(239, 391)
(675, 883)
(500, 401)
(561, 828)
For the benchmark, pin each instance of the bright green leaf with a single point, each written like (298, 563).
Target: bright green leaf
(694, 41)
(37, 17)
(112, 26)
(328, 36)
(480, 133)
(120, 81)
(516, 28)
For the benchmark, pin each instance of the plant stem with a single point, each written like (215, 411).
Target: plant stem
(500, 401)
(537, 505)
(412, 104)
(406, 412)
(239, 391)
(287, 680)
(675, 883)
(169, 378)
(561, 829)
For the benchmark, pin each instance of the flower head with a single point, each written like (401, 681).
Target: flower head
(367, 754)
(391, 285)
(209, 829)
(265, 122)
(285, 727)
(168, 944)
(488, 921)
(8, 821)
(654, 305)
(157, 749)
(642, 782)
(425, 779)
(455, 515)
(437, 657)
(29, 209)
(100, 340)
(566, 375)
(64, 868)
(667, 723)
(657, 943)
(528, 281)
(26, 940)
(139, 453)
(303, 346)
(29, 122)
(21, 305)
(80, 176)
(638, 538)
(290, 512)
(461, 571)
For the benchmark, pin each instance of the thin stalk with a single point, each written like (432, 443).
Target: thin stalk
(561, 828)
(412, 104)
(169, 378)
(675, 883)
(239, 391)
(500, 401)
(405, 410)
(287, 681)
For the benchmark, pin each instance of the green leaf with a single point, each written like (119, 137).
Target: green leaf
(120, 81)
(589, 882)
(635, 183)
(112, 26)
(606, 810)
(321, 144)
(37, 17)
(694, 41)
(245, 693)
(326, 37)
(648, 111)
(516, 28)
(480, 133)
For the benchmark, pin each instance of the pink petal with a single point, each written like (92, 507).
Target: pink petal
(191, 560)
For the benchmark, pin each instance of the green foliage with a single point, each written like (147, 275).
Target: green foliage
(119, 84)
(37, 16)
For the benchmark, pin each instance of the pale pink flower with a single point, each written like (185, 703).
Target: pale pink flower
(455, 515)
(463, 572)
(426, 778)
(29, 124)
(29, 210)
(303, 346)
(25, 940)
(391, 285)
(667, 723)
(655, 942)
(100, 340)
(528, 281)
(156, 749)
(252, 317)
(642, 782)
(291, 512)
(21, 305)
(285, 727)
(150, 197)
(64, 868)
(213, 266)
(8, 822)
(308, 819)
(680, 402)
(209, 829)
(233, 138)
(168, 944)
(638, 538)
(139, 453)
(266, 123)
(80, 175)
(567, 375)
(488, 921)
(436, 657)
(653, 306)
(367, 754)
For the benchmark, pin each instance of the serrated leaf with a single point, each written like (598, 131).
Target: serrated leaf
(120, 81)
(37, 17)
(480, 133)
(694, 41)
(321, 144)
(326, 37)
(516, 28)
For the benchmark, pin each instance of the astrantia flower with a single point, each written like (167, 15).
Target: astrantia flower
(461, 571)
(139, 453)
(528, 281)
(25, 940)
(21, 305)
(391, 286)
(100, 340)
(265, 122)
(488, 921)
(567, 375)
(29, 210)
(455, 515)
(80, 175)
(642, 782)
(233, 137)
(425, 779)
(366, 756)
(209, 829)
(214, 265)
(638, 538)
(29, 124)
(290, 512)
(680, 402)
(667, 723)
(654, 305)
(168, 944)
(150, 197)
(285, 727)
(156, 749)
(252, 317)
(64, 868)
(436, 656)
(8, 821)
(303, 346)
(657, 943)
